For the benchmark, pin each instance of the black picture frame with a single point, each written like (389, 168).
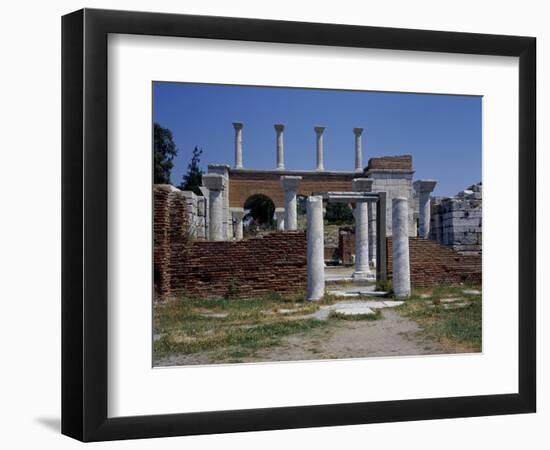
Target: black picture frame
(84, 224)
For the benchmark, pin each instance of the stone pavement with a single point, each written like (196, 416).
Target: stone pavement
(353, 308)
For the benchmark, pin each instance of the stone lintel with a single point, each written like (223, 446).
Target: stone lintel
(347, 197)
(213, 181)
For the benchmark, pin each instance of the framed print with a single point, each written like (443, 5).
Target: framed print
(273, 224)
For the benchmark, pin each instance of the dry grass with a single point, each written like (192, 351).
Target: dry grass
(231, 328)
(448, 315)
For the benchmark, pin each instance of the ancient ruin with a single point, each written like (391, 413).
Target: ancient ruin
(397, 223)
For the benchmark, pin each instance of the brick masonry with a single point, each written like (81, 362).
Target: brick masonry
(432, 264)
(402, 162)
(245, 183)
(272, 263)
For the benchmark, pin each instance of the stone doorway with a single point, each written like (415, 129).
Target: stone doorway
(363, 198)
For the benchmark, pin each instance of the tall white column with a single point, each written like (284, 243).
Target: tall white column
(215, 184)
(238, 144)
(320, 157)
(290, 186)
(238, 214)
(358, 150)
(280, 218)
(372, 233)
(315, 249)
(279, 128)
(400, 248)
(362, 267)
(424, 188)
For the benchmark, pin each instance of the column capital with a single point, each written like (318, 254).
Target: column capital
(238, 125)
(319, 130)
(362, 184)
(424, 185)
(290, 183)
(213, 181)
(238, 212)
(358, 131)
(279, 127)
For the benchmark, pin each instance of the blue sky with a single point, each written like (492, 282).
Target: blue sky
(441, 132)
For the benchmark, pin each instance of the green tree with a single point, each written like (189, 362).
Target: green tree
(193, 178)
(165, 151)
(339, 213)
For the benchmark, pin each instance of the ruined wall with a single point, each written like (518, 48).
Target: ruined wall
(272, 263)
(432, 264)
(169, 227)
(346, 245)
(457, 221)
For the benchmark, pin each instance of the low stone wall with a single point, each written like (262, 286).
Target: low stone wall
(432, 264)
(251, 267)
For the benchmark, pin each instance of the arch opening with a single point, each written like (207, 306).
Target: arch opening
(259, 214)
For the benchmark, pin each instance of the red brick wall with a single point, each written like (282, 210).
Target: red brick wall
(403, 162)
(346, 247)
(244, 184)
(432, 263)
(169, 228)
(273, 263)
(276, 262)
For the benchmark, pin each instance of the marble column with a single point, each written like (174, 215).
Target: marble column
(215, 184)
(358, 150)
(238, 144)
(290, 186)
(315, 249)
(372, 233)
(424, 188)
(238, 214)
(400, 247)
(280, 218)
(320, 157)
(279, 128)
(362, 266)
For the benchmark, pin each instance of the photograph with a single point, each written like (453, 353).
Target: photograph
(299, 224)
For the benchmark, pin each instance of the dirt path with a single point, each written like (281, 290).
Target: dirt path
(392, 335)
